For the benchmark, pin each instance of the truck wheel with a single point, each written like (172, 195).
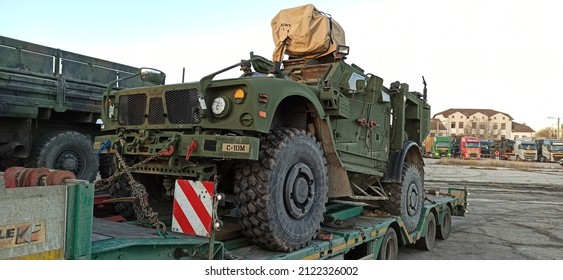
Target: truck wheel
(406, 199)
(427, 241)
(281, 197)
(107, 165)
(66, 150)
(389, 246)
(443, 230)
(152, 183)
(120, 188)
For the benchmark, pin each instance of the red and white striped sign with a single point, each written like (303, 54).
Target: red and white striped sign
(193, 203)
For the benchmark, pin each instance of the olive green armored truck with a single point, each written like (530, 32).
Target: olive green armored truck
(279, 142)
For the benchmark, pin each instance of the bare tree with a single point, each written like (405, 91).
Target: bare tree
(548, 132)
(482, 128)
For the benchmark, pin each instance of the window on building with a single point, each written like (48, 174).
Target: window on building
(460, 124)
(495, 126)
(473, 125)
(503, 118)
(503, 126)
(453, 125)
(482, 126)
(495, 118)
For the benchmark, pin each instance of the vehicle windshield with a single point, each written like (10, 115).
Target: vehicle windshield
(442, 144)
(472, 145)
(558, 148)
(528, 147)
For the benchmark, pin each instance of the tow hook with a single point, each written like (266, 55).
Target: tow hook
(168, 152)
(191, 148)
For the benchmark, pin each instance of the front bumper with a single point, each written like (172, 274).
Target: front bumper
(181, 145)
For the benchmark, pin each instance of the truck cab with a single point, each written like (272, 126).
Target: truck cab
(551, 150)
(525, 150)
(470, 148)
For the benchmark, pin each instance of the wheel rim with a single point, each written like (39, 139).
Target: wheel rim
(412, 200)
(70, 160)
(299, 190)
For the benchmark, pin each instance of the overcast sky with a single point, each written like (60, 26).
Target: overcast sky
(500, 55)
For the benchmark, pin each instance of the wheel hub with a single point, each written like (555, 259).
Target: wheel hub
(69, 160)
(299, 190)
(412, 199)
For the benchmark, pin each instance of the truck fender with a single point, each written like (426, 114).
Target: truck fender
(409, 153)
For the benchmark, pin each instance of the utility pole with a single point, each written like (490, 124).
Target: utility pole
(558, 126)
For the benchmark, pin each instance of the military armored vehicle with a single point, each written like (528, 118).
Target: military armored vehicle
(278, 144)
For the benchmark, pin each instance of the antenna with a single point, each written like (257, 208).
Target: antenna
(425, 91)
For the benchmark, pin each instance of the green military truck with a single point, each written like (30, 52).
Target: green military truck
(279, 142)
(50, 100)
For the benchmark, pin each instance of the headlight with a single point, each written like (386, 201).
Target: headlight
(220, 107)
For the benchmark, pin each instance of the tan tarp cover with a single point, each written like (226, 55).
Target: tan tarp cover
(309, 33)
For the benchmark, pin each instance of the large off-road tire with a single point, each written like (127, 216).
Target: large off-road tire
(108, 165)
(121, 188)
(66, 150)
(406, 199)
(281, 197)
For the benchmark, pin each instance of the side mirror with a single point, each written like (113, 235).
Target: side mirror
(153, 76)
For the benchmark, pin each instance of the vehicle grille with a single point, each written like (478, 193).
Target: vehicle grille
(182, 106)
(132, 109)
(156, 111)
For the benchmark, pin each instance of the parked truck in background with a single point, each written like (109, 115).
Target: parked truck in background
(469, 147)
(486, 148)
(279, 146)
(525, 149)
(550, 150)
(437, 147)
(50, 100)
(505, 148)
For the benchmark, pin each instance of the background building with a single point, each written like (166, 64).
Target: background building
(521, 130)
(482, 123)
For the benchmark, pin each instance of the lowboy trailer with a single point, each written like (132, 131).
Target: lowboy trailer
(34, 227)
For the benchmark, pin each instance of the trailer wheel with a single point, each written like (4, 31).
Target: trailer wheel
(443, 230)
(281, 197)
(66, 150)
(389, 246)
(427, 241)
(406, 199)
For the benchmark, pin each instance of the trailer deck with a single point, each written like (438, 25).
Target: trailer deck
(351, 231)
